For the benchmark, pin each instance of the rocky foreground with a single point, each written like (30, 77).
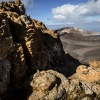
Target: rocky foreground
(33, 64)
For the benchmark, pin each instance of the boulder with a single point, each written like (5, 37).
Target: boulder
(52, 85)
(49, 85)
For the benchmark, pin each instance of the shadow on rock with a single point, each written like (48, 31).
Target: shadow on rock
(69, 67)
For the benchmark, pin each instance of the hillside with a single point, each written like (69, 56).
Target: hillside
(82, 45)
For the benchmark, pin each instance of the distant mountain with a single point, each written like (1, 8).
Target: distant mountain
(82, 45)
(77, 31)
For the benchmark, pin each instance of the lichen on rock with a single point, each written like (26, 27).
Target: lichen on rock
(49, 85)
(6, 41)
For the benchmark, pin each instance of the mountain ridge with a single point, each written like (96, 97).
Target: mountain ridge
(80, 43)
(61, 31)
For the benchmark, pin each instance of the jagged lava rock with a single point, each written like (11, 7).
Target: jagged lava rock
(86, 82)
(41, 48)
(19, 68)
(6, 41)
(6, 47)
(89, 74)
(49, 85)
(27, 44)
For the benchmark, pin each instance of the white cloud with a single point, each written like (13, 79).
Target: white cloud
(60, 17)
(27, 3)
(77, 13)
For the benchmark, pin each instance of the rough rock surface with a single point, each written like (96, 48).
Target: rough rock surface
(87, 80)
(18, 62)
(26, 45)
(47, 44)
(51, 85)
(6, 41)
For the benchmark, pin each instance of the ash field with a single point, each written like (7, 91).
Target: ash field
(80, 44)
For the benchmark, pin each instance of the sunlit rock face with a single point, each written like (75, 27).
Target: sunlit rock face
(80, 44)
(52, 85)
(49, 85)
(41, 46)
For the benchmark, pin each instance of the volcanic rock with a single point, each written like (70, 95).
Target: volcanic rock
(27, 44)
(19, 68)
(6, 41)
(5, 67)
(51, 85)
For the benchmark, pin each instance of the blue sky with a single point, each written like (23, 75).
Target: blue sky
(84, 14)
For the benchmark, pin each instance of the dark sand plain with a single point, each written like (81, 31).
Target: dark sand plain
(84, 48)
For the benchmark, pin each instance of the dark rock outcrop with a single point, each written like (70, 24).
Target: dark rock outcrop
(27, 44)
(19, 66)
(6, 41)
(36, 43)
(5, 67)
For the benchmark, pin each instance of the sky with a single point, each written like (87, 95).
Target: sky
(55, 14)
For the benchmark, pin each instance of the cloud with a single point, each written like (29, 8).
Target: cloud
(27, 3)
(77, 13)
(90, 26)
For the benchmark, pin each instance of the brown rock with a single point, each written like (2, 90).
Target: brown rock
(85, 83)
(89, 74)
(49, 85)
(18, 2)
(39, 25)
(19, 66)
(6, 41)
(42, 27)
(95, 64)
(81, 90)
(35, 45)
(45, 53)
